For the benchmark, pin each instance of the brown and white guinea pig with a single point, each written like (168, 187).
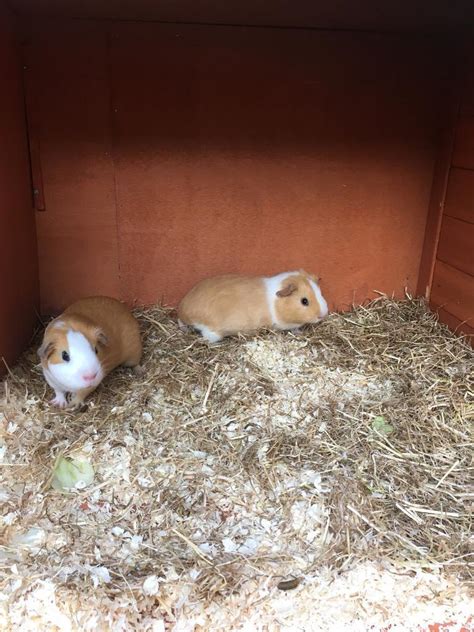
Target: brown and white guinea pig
(225, 305)
(81, 346)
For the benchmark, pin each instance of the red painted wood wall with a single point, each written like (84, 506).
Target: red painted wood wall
(452, 291)
(168, 153)
(18, 255)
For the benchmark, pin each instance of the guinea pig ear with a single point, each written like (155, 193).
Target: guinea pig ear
(288, 290)
(102, 338)
(46, 350)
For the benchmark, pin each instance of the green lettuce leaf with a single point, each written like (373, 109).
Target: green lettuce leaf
(381, 426)
(72, 474)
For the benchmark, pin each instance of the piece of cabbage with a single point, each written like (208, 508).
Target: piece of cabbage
(72, 473)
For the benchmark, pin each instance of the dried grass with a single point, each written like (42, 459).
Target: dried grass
(262, 459)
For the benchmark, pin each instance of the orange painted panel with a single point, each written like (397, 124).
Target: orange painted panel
(439, 187)
(464, 144)
(258, 150)
(18, 258)
(456, 244)
(453, 285)
(460, 195)
(67, 80)
(171, 153)
(453, 290)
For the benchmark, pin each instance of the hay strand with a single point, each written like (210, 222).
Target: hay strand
(261, 458)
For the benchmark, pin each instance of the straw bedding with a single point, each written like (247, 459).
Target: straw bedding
(271, 482)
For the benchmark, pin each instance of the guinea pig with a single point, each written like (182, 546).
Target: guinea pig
(86, 342)
(226, 305)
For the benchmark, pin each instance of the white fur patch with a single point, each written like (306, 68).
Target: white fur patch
(69, 376)
(52, 381)
(319, 297)
(272, 285)
(59, 400)
(207, 333)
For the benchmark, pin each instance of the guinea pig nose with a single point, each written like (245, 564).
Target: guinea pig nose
(90, 377)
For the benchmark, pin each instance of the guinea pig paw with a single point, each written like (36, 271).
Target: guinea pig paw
(183, 326)
(212, 338)
(138, 370)
(75, 403)
(59, 401)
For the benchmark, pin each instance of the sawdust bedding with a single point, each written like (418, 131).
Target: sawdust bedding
(320, 481)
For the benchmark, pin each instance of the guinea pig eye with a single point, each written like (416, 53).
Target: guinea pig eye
(305, 302)
(65, 356)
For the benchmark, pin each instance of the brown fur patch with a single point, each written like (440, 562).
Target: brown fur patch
(46, 350)
(313, 277)
(289, 308)
(102, 338)
(110, 327)
(226, 304)
(107, 324)
(287, 290)
(54, 343)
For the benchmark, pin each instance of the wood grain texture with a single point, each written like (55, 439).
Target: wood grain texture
(439, 187)
(18, 256)
(77, 232)
(256, 151)
(456, 244)
(170, 153)
(453, 290)
(460, 195)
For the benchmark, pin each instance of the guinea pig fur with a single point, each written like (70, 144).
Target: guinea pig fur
(225, 305)
(86, 342)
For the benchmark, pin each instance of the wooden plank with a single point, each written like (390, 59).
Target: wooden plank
(456, 244)
(460, 195)
(19, 290)
(464, 144)
(441, 173)
(391, 15)
(33, 125)
(467, 104)
(77, 232)
(456, 325)
(235, 151)
(453, 290)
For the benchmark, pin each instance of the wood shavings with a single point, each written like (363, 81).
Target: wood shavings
(341, 456)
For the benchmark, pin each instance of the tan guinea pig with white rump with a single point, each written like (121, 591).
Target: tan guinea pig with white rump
(87, 341)
(225, 305)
